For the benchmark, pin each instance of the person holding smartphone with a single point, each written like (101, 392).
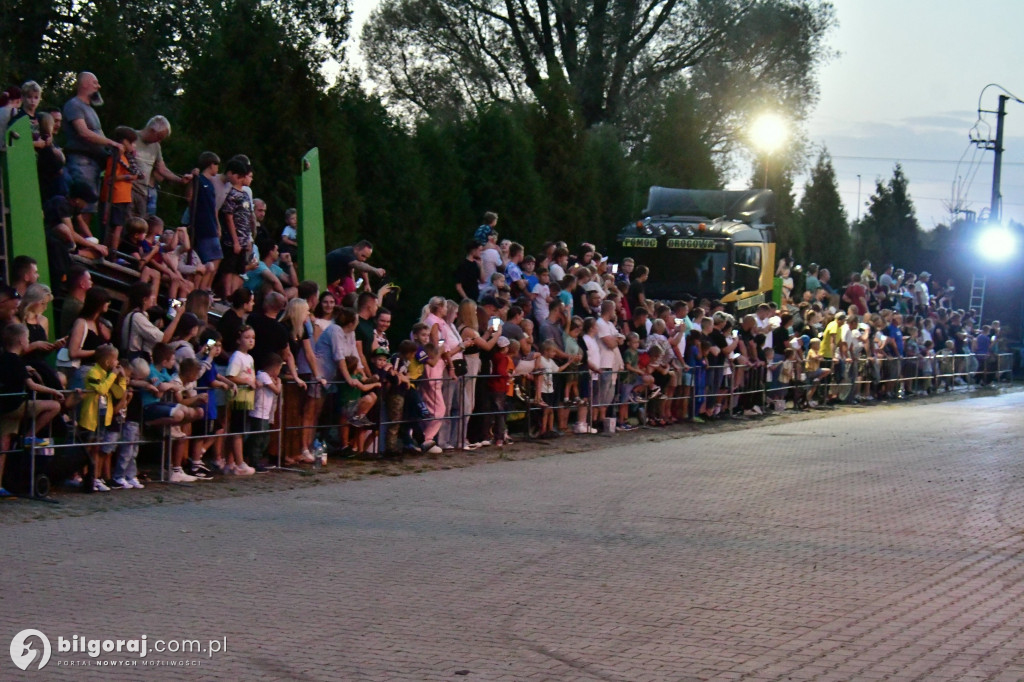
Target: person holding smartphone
(32, 313)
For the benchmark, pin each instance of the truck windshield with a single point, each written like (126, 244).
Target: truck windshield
(675, 272)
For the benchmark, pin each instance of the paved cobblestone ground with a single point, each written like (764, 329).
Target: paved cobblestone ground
(884, 543)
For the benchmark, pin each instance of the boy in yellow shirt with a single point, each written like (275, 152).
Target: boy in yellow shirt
(106, 381)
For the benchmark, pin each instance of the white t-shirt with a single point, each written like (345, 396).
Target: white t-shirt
(921, 293)
(490, 262)
(266, 400)
(541, 294)
(557, 273)
(547, 380)
(852, 339)
(526, 365)
(240, 364)
(610, 357)
(764, 327)
(290, 232)
(680, 348)
(593, 353)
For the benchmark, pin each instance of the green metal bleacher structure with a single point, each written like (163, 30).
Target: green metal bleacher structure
(21, 223)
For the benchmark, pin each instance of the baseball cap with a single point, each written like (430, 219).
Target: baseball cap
(503, 342)
(592, 286)
(381, 351)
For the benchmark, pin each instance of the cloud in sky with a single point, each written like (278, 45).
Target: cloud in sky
(906, 86)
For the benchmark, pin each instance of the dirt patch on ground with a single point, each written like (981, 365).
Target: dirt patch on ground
(71, 503)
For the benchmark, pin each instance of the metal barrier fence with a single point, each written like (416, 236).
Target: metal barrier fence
(678, 394)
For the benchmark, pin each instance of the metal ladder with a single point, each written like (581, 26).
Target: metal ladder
(977, 295)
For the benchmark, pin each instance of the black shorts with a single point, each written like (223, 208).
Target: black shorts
(119, 214)
(234, 263)
(558, 381)
(240, 421)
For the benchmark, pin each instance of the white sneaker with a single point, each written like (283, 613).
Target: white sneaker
(99, 486)
(307, 457)
(244, 470)
(134, 482)
(179, 476)
(757, 410)
(434, 450)
(812, 403)
(121, 483)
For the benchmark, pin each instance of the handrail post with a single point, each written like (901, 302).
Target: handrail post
(32, 453)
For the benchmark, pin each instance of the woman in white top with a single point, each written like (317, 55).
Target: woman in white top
(138, 334)
(592, 344)
(472, 344)
(323, 314)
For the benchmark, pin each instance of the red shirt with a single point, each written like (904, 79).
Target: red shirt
(857, 294)
(502, 370)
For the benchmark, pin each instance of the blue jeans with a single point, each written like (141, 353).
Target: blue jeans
(127, 451)
(81, 168)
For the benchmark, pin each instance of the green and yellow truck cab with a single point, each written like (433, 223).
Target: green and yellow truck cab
(718, 244)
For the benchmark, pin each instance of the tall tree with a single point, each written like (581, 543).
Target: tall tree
(284, 97)
(777, 175)
(889, 230)
(614, 55)
(674, 153)
(50, 40)
(823, 222)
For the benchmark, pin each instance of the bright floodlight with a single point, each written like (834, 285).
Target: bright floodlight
(769, 132)
(997, 243)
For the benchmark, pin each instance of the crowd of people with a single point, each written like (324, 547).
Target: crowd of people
(221, 344)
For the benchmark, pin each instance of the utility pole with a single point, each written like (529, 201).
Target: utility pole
(996, 204)
(995, 208)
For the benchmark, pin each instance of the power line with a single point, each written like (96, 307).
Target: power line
(903, 160)
(916, 196)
